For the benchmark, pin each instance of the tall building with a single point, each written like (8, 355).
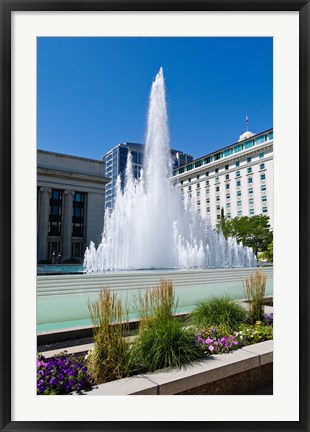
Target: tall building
(115, 164)
(70, 204)
(237, 178)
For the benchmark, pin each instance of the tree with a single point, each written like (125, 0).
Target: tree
(252, 231)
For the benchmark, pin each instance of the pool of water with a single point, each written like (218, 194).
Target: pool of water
(46, 269)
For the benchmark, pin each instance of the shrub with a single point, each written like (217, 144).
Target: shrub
(249, 334)
(255, 288)
(62, 374)
(219, 310)
(110, 357)
(165, 343)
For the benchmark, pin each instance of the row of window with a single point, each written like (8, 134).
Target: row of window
(239, 213)
(55, 214)
(226, 153)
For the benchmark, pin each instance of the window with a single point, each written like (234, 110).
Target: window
(207, 191)
(251, 211)
(265, 210)
(249, 144)
(217, 198)
(227, 177)
(228, 215)
(207, 182)
(228, 205)
(227, 186)
(239, 203)
(261, 155)
(198, 186)
(237, 163)
(216, 170)
(239, 193)
(261, 139)
(197, 176)
(189, 188)
(249, 170)
(238, 148)
(239, 213)
(208, 209)
(198, 193)
(217, 179)
(264, 198)
(181, 182)
(198, 202)
(228, 152)
(189, 180)
(218, 207)
(78, 215)
(237, 173)
(208, 200)
(198, 164)
(217, 189)
(227, 166)
(270, 135)
(250, 191)
(77, 250)
(251, 201)
(54, 220)
(263, 176)
(250, 180)
(263, 188)
(228, 196)
(207, 174)
(249, 160)
(238, 183)
(218, 217)
(262, 166)
(54, 248)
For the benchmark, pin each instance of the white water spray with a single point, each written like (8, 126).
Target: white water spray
(150, 226)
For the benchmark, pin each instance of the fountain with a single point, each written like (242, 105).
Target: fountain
(149, 235)
(150, 227)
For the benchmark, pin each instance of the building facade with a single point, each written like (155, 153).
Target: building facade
(70, 205)
(237, 178)
(115, 164)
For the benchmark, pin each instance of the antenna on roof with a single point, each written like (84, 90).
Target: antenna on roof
(247, 121)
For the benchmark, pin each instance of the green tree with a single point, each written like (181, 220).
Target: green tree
(252, 231)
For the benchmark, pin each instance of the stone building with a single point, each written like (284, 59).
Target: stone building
(70, 205)
(237, 178)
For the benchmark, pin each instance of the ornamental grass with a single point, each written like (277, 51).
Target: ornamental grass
(110, 357)
(162, 340)
(218, 311)
(255, 288)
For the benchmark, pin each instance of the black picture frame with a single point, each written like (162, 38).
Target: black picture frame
(9, 6)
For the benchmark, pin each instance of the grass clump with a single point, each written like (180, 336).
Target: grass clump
(162, 340)
(218, 311)
(255, 288)
(110, 357)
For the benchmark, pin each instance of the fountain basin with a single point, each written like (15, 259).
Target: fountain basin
(62, 299)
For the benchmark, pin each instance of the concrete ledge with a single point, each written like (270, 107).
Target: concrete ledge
(174, 381)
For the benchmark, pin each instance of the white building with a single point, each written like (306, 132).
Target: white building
(237, 178)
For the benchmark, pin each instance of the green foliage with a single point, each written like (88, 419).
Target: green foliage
(110, 357)
(218, 311)
(255, 288)
(165, 343)
(162, 340)
(252, 231)
(250, 334)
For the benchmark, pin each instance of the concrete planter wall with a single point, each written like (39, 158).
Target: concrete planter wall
(238, 372)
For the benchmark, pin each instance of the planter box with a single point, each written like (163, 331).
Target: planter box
(242, 370)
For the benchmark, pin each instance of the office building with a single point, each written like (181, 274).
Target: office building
(115, 164)
(237, 178)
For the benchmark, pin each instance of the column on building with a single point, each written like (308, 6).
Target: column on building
(67, 224)
(43, 218)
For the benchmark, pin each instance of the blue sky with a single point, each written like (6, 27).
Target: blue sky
(93, 92)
